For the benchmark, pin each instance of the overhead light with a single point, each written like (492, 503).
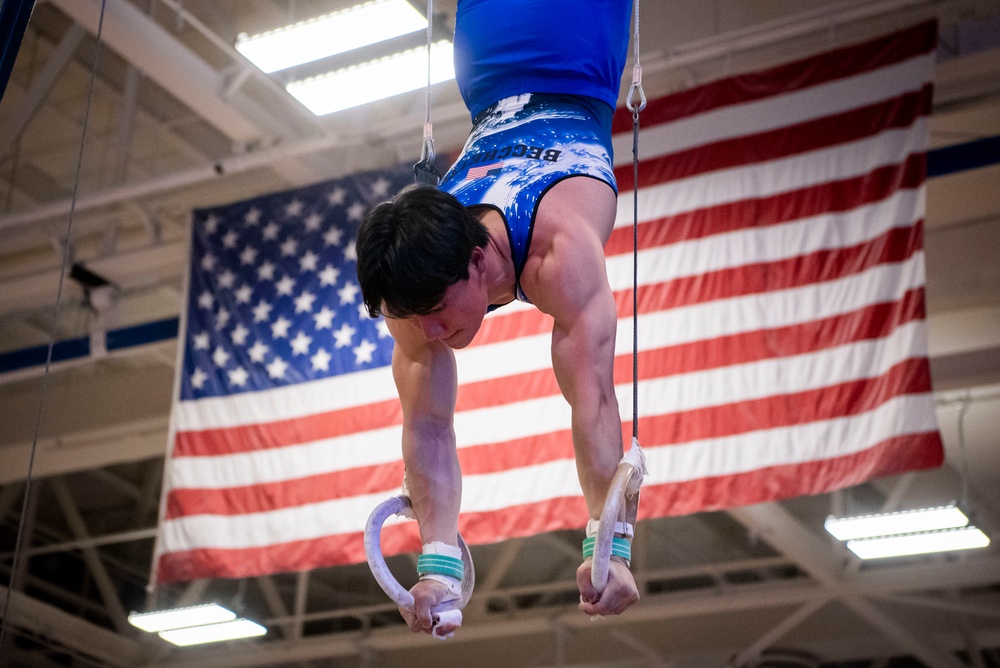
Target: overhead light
(196, 615)
(887, 524)
(925, 542)
(330, 34)
(197, 635)
(374, 80)
(196, 624)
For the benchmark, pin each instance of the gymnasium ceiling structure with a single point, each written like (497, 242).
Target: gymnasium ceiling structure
(178, 119)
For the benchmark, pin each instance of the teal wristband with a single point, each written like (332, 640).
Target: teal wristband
(441, 565)
(619, 548)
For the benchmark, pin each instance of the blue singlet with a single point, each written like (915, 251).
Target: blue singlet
(519, 148)
(541, 80)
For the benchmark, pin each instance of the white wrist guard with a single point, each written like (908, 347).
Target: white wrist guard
(454, 585)
(437, 547)
(621, 529)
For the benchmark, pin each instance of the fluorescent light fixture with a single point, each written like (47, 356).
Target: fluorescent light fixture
(330, 34)
(375, 80)
(887, 524)
(164, 620)
(966, 538)
(196, 635)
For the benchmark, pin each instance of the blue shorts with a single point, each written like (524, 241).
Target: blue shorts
(522, 146)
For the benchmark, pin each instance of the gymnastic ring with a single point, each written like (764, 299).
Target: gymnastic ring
(606, 531)
(373, 551)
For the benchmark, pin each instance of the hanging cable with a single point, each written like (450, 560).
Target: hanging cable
(963, 463)
(52, 337)
(425, 171)
(623, 492)
(635, 107)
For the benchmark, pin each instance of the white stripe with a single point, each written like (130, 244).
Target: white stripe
(286, 403)
(797, 444)
(706, 388)
(769, 178)
(376, 384)
(316, 520)
(682, 392)
(793, 238)
(482, 493)
(778, 111)
(770, 243)
(785, 375)
(681, 325)
(780, 308)
(838, 437)
(367, 448)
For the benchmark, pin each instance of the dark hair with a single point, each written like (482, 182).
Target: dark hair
(412, 248)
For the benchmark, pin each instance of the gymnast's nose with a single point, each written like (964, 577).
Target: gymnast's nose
(431, 327)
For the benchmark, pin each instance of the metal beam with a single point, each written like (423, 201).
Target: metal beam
(93, 541)
(126, 270)
(819, 558)
(301, 601)
(497, 571)
(26, 529)
(454, 114)
(87, 639)
(956, 606)
(650, 654)
(801, 614)
(912, 643)
(131, 442)
(165, 60)
(653, 609)
(275, 605)
(41, 84)
(105, 586)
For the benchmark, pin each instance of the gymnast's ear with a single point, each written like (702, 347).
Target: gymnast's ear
(477, 261)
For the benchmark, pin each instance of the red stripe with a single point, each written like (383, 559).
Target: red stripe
(871, 322)
(868, 323)
(280, 433)
(780, 410)
(265, 496)
(833, 197)
(300, 555)
(798, 75)
(826, 132)
(895, 455)
(895, 246)
(849, 398)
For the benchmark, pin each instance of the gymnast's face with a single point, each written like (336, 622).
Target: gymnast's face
(459, 314)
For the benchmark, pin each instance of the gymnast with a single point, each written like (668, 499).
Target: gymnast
(523, 214)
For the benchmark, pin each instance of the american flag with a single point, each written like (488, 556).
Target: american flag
(276, 340)
(483, 170)
(781, 333)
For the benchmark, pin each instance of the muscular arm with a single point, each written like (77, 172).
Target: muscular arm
(569, 282)
(425, 376)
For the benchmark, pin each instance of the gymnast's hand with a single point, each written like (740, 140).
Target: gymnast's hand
(426, 595)
(619, 593)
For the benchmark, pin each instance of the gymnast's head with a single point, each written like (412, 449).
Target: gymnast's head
(412, 248)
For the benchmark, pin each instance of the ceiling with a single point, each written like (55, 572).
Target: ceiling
(106, 146)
